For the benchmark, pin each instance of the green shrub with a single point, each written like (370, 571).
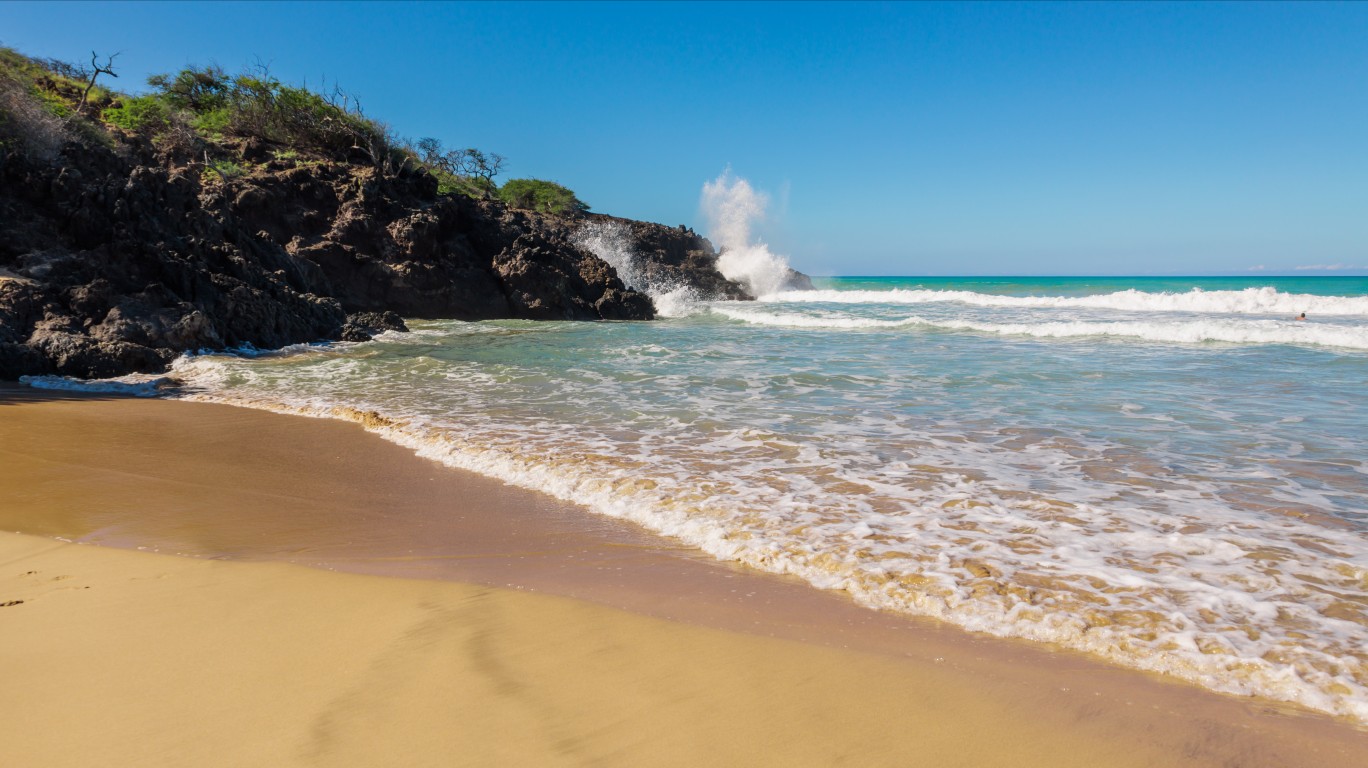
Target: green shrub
(140, 114)
(223, 170)
(256, 105)
(470, 186)
(214, 122)
(53, 103)
(540, 195)
(197, 89)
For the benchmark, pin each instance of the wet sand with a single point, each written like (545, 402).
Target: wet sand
(638, 651)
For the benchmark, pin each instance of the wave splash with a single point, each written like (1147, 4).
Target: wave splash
(732, 207)
(1264, 300)
(612, 242)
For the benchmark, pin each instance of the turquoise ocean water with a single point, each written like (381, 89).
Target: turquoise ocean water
(1168, 473)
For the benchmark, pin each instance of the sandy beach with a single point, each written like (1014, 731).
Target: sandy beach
(313, 595)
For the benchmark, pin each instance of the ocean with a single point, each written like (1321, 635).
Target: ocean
(1167, 473)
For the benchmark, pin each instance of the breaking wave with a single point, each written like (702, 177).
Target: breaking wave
(1174, 331)
(1254, 301)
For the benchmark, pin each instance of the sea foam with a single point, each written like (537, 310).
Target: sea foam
(969, 514)
(1195, 510)
(1261, 300)
(1196, 331)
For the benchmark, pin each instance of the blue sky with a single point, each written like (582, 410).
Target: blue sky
(915, 138)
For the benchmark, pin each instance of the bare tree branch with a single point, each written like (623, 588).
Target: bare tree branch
(96, 71)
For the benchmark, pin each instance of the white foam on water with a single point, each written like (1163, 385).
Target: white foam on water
(1193, 331)
(926, 519)
(795, 320)
(137, 385)
(1187, 332)
(680, 301)
(1264, 300)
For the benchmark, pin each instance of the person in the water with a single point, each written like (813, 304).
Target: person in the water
(1302, 316)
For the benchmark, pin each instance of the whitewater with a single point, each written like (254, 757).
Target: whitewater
(1166, 473)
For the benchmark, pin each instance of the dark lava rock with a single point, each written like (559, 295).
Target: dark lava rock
(363, 326)
(117, 259)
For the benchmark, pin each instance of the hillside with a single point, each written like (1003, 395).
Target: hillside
(222, 211)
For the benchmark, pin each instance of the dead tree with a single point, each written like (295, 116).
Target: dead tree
(478, 165)
(96, 71)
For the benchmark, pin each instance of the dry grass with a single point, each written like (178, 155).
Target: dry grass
(26, 121)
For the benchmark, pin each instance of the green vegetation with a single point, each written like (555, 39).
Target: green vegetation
(468, 172)
(258, 106)
(224, 169)
(38, 101)
(57, 85)
(539, 195)
(138, 114)
(449, 184)
(204, 112)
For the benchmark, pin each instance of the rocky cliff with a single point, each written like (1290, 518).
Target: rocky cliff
(118, 257)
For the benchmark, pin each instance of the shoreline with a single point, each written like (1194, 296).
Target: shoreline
(217, 481)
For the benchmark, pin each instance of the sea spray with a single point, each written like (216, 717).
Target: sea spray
(732, 207)
(612, 242)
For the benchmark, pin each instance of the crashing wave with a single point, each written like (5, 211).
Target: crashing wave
(1265, 300)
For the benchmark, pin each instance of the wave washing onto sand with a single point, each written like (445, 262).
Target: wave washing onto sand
(1207, 597)
(1174, 524)
(137, 385)
(1176, 331)
(1262, 300)
(1129, 628)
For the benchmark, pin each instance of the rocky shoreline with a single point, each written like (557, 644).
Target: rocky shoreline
(117, 259)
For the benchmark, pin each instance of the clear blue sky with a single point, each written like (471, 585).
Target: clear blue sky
(918, 138)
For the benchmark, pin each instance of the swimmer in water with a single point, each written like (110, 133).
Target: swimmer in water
(1302, 316)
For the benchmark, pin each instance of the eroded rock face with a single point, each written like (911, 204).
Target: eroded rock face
(118, 261)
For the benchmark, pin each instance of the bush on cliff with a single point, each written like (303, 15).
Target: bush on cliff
(259, 106)
(139, 114)
(541, 195)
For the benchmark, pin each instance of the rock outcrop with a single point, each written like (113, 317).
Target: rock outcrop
(117, 260)
(671, 256)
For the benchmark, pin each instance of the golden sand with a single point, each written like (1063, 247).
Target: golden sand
(116, 657)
